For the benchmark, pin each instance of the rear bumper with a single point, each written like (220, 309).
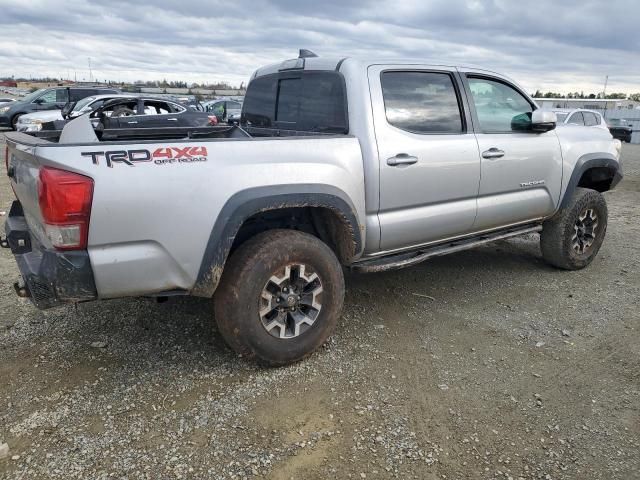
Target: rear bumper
(624, 135)
(50, 277)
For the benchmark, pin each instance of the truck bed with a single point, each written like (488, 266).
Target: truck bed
(156, 202)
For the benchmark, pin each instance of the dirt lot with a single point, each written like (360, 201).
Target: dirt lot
(484, 364)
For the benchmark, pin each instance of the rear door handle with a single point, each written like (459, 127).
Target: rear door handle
(172, 119)
(493, 153)
(402, 159)
(132, 122)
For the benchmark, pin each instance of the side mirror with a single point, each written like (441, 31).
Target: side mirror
(67, 109)
(38, 101)
(543, 121)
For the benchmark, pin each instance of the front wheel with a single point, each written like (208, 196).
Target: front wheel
(280, 297)
(14, 121)
(573, 237)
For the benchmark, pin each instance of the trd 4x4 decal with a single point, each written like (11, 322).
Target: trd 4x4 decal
(160, 156)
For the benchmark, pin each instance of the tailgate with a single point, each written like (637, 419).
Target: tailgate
(23, 169)
(49, 277)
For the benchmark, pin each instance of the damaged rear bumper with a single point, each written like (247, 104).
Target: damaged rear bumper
(50, 277)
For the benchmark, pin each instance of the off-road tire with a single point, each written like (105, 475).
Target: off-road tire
(557, 236)
(238, 298)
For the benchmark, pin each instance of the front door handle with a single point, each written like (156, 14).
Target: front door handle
(493, 153)
(402, 159)
(132, 122)
(172, 119)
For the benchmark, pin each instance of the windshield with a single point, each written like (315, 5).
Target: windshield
(616, 122)
(80, 104)
(32, 96)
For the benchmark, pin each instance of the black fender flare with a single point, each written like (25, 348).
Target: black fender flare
(586, 162)
(246, 203)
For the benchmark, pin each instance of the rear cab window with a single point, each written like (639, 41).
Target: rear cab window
(307, 101)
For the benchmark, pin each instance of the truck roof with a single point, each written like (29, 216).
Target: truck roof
(337, 63)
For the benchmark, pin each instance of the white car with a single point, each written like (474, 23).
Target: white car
(32, 122)
(583, 117)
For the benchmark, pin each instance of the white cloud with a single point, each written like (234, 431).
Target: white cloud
(559, 46)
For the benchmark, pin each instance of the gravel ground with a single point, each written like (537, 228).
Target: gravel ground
(485, 364)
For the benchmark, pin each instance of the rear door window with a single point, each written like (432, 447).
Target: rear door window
(421, 102)
(80, 93)
(62, 95)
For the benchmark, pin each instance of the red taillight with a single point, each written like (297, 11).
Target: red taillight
(213, 120)
(6, 157)
(65, 203)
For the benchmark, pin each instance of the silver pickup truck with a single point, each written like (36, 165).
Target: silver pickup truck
(336, 163)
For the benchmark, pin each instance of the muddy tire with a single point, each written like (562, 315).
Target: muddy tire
(572, 238)
(280, 297)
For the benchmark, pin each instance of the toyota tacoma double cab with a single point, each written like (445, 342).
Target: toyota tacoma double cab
(337, 163)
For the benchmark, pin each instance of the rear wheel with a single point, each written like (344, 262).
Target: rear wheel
(573, 237)
(279, 297)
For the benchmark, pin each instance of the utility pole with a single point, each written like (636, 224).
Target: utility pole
(90, 74)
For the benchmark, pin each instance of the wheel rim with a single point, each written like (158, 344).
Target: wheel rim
(584, 231)
(291, 301)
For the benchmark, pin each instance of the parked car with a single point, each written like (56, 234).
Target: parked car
(620, 129)
(584, 117)
(33, 122)
(150, 112)
(190, 101)
(226, 111)
(123, 111)
(339, 162)
(46, 99)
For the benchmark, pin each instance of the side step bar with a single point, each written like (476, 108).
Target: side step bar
(401, 260)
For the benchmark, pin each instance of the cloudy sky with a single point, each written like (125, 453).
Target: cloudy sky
(555, 45)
